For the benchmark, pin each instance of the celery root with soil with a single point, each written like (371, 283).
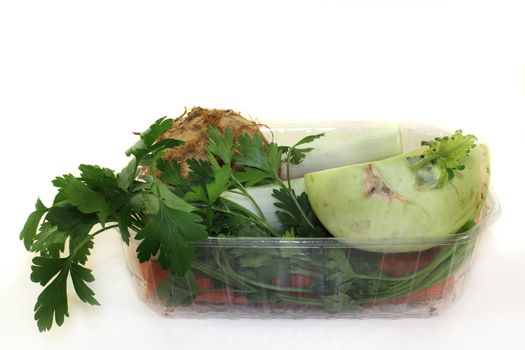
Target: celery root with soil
(198, 188)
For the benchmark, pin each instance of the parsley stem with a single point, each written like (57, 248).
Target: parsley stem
(236, 192)
(288, 155)
(138, 220)
(252, 282)
(209, 218)
(248, 215)
(219, 275)
(245, 193)
(88, 238)
(299, 300)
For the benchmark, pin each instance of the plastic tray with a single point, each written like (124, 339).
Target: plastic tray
(297, 278)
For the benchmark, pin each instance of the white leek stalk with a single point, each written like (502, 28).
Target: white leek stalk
(263, 196)
(342, 147)
(335, 149)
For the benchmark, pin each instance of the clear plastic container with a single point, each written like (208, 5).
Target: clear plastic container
(328, 277)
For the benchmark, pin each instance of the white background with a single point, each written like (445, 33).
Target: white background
(76, 78)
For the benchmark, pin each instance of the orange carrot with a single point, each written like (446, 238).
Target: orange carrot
(403, 264)
(153, 275)
(219, 297)
(204, 283)
(437, 291)
(298, 280)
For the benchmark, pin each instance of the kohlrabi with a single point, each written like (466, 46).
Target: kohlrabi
(429, 194)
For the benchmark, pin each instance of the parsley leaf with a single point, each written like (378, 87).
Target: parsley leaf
(69, 219)
(148, 137)
(82, 197)
(170, 199)
(126, 177)
(308, 139)
(200, 172)
(52, 302)
(80, 275)
(96, 177)
(291, 215)
(250, 177)
(81, 244)
(162, 145)
(170, 172)
(237, 226)
(219, 183)
(206, 183)
(125, 222)
(196, 194)
(220, 145)
(253, 154)
(168, 234)
(30, 227)
(50, 241)
(296, 155)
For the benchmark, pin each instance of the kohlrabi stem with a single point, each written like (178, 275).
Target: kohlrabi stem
(424, 161)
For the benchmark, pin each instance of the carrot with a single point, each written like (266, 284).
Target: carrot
(153, 275)
(220, 297)
(437, 291)
(241, 299)
(204, 283)
(295, 280)
(403, 264)
(298, 280)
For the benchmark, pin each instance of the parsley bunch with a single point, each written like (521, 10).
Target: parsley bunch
(62, 234)
(165, 212)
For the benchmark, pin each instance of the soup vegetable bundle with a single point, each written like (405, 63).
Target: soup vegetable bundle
(214, 176)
